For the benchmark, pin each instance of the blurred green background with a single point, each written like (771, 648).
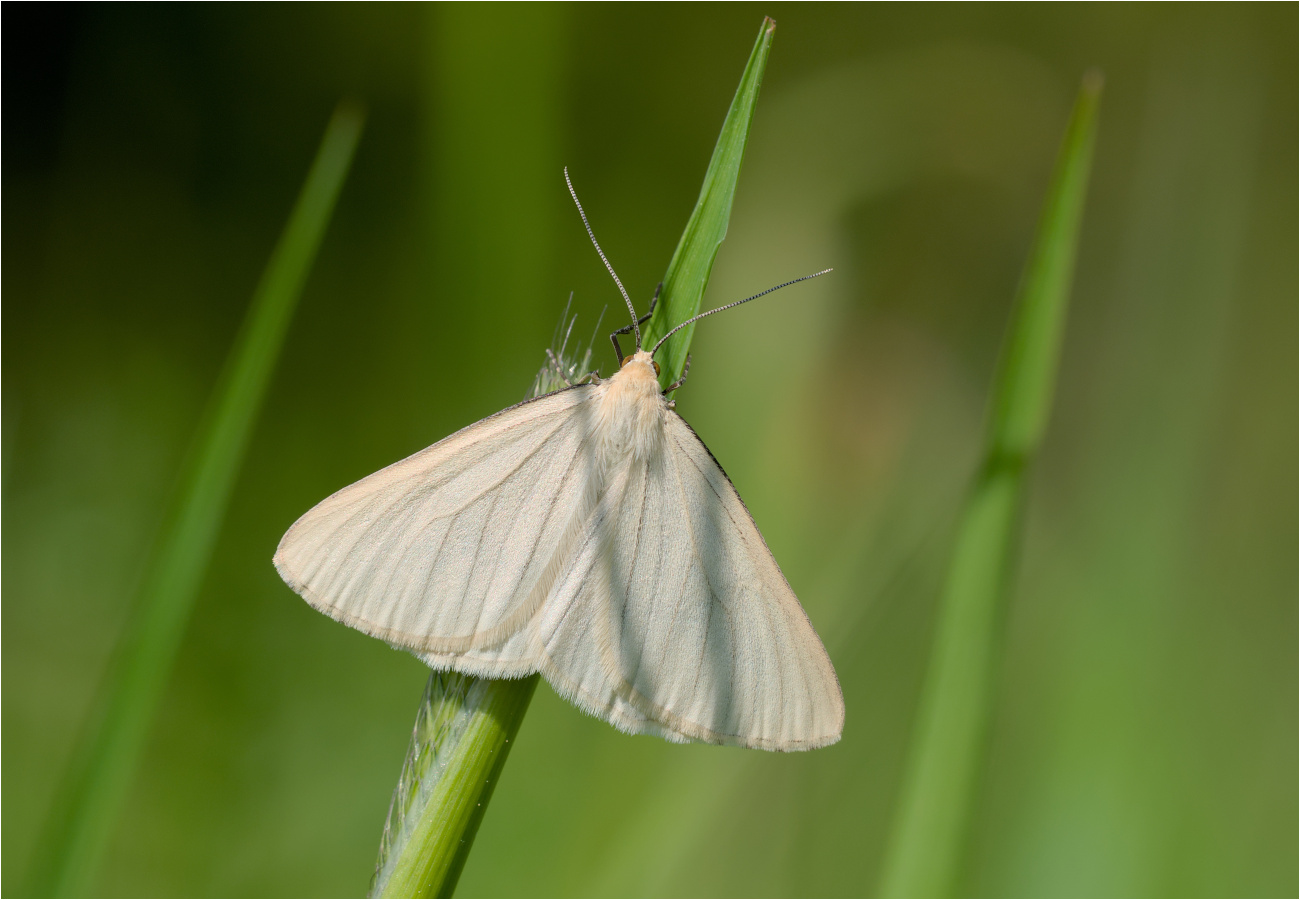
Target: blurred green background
(1145, 740)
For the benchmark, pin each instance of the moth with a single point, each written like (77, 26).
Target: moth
(588, 535)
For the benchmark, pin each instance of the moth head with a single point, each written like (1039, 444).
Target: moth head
(642, 359)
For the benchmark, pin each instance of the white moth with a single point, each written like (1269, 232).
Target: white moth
(588, 535)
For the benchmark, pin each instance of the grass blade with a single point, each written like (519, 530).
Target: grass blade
(105, 761)
(692, 262)
(929, 829)
(465, 726)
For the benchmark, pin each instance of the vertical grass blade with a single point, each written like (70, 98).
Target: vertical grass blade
(692, 262)
(929, 829)
(465, 725)
(104, 762)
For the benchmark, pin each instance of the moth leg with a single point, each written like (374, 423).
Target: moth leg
(559, 370)
(627, 329)
(653, 300)
(680, 381)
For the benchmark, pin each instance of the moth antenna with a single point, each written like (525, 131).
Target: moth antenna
(630, 308)
(678, 328)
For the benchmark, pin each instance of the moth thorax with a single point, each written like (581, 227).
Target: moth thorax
(632, 410)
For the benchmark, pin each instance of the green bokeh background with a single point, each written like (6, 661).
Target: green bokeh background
(1145, 739)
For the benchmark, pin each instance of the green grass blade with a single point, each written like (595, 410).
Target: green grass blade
(1022, 398)
(458, 748)
(692, 262)
(929, 829)
(465, 725)
(104, 763)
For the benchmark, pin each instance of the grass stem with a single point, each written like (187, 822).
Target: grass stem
(929, 830)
